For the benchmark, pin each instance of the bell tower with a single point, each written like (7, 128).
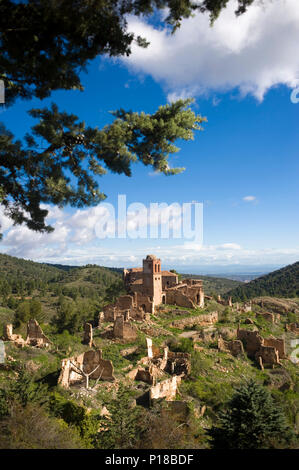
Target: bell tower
(152, 279)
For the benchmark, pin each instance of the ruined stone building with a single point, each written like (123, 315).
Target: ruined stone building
(35, 335)
(264, 350)
(150, 287)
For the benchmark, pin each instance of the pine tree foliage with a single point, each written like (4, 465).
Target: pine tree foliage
(45, 45)
(252, 420)
(123, 425)
(65, 170)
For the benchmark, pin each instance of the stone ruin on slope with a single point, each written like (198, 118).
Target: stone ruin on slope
(88, 335)
(85, 366)
(235, 346)
(8, 335)
(149, 287)
(124, 329)
(152, 368)
(35, 336)
(264, 350)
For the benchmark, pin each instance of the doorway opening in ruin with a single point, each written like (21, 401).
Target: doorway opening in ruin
(197, 298)
(163, 299)
(143, 307)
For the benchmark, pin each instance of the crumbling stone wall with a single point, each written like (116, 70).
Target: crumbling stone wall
(124, 330)
(144, 302)
(145, 376)
(267, 355)
(35, 335)
(88, 361)
(251, 340)
(110, 312)
(187, 294)
(277, 343)
(132, 275)
(206, 319)
(227, 302)
(8, 335)
(178, 363)
(124, 302)
(235, 347)
(166, 389)
(176, 297)
(88, 336)
(148, 375)
(175, 363)
(264, 350)
(137, 304)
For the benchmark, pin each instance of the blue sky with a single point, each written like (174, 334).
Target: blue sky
(249, 147)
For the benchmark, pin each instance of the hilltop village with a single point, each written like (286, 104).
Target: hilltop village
(157, 308)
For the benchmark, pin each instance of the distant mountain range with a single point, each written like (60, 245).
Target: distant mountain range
(283, 282)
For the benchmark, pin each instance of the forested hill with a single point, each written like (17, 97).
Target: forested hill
(23, 277)
(22, 269)
(281, 283)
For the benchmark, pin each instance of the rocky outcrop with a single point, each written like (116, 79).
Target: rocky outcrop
(273, 304)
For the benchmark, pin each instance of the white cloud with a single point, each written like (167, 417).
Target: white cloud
(249, 198)
(74, 242)
(253, 52)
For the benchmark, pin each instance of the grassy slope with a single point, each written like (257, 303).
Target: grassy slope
(214, 374)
